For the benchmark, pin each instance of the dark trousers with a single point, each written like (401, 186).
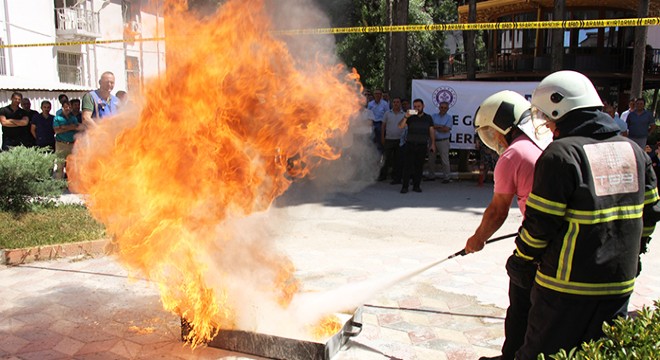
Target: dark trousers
(392, 160)
(413, 163)
(375, 135)
(515, 323)
(557, 321)
(9, 143)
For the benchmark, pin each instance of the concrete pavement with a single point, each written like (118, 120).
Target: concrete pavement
(90, 309)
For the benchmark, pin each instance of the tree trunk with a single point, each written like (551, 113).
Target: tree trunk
(557, 57)
(640, 52)
(468, 42)
(471, 67)
(387, 78)
(399, 51)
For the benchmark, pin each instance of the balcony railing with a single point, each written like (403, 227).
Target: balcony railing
(582, 59)
(75, 23)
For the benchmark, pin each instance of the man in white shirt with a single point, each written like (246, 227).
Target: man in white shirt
(631, 107)
(390, 138)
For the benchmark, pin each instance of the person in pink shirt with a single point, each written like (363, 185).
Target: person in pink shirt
(503, 123)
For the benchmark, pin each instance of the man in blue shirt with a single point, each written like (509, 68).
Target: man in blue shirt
(640, 123)
(379, 107)
(100, 103)
(623, 127)
(41, 126)
(442, 123)
(62, 98)
(75, 109)
(65, 126)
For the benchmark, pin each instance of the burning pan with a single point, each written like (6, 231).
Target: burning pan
(276, 347)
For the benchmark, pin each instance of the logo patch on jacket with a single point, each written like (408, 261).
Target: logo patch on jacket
(613, 167)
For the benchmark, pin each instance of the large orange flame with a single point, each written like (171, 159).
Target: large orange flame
(220, 136)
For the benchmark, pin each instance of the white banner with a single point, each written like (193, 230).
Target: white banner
(464, 97)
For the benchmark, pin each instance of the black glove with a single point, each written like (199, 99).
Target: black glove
(521, 272)
(643, 245)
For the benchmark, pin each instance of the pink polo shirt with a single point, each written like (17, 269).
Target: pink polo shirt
(514, 172)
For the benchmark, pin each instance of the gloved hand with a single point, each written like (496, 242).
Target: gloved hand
(521, 272)
(643, 246)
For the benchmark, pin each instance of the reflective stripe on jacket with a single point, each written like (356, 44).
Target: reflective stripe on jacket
(585, 215)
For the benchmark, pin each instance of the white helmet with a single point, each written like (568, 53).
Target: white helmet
(498, 114)
(564, 91)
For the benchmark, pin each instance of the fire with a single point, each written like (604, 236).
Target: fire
(328, 326)
(235, 119)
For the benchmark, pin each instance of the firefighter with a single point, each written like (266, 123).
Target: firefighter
(504, 124)
(589, 217)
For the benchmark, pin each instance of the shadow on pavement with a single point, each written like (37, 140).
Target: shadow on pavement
(460, 196)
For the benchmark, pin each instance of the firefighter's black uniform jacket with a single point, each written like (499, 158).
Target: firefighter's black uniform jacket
(586, 213)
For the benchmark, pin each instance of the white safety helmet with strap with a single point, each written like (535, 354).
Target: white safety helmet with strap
(499, 113)
(561, 92)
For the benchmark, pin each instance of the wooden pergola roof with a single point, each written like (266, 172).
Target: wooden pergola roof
(490, 10)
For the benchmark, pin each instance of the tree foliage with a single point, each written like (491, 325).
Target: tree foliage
(26, 178)
(428, 46)
(366, 51)
(363, 51)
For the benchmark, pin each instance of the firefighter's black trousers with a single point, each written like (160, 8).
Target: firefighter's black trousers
(562, 321)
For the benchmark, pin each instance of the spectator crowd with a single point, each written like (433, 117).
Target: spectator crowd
(22, 126)
(392, 138)
(408, 138)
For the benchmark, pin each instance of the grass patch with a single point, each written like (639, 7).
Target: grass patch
(47, 226)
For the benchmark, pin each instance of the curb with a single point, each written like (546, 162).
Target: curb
(13, 257)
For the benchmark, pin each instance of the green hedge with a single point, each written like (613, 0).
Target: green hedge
(27, 179)
(629, 339)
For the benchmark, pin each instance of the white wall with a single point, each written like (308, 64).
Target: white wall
(36, 24)
(33, 25)
(110, 57)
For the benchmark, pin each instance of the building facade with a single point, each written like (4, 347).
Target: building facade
(41, 71)
(605, 55)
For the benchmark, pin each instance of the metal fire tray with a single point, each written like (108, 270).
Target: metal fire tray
(276, 347)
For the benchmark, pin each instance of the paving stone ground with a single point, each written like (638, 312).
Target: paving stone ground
(90, 309)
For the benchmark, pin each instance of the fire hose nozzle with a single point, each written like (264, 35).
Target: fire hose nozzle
(463, 253)
(459, 253)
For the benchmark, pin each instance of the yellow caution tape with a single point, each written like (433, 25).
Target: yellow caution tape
(69, 43)
(568, 24)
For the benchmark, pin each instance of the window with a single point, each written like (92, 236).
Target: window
(619, 37)
(132, 73)
(69, 67)
(130, 10)
(3, 61)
